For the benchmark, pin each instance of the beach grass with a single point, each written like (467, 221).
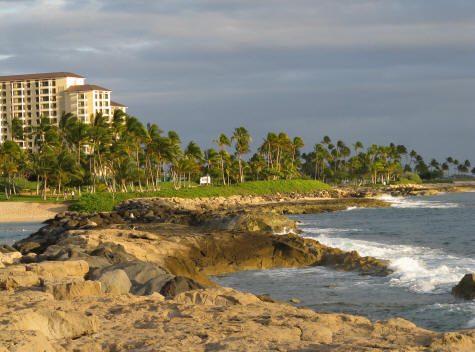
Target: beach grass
(107, 201)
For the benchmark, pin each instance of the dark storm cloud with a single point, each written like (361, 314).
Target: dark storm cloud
(378, 71)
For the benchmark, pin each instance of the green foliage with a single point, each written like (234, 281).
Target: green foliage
(106, 201)
(21, 183)
(411, 179)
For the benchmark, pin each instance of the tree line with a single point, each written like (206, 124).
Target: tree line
(120, 154)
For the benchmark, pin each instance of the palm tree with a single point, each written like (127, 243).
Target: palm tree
(297, 144)
(223, 142)
(242, 139)
(195, 156)
(10, 155)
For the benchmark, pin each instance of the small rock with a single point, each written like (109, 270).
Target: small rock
(295, 300)
(465, 288)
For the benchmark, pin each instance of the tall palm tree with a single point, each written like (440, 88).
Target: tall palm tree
(242, 139)
(223, 142)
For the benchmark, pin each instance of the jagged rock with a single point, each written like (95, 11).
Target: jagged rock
(71, 287)
(465, 288)
(115, 282)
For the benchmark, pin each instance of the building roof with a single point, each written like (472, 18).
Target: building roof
(114, 103)
(39, 76)
(85, 88)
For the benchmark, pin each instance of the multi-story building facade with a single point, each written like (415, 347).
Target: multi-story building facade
(32, 96)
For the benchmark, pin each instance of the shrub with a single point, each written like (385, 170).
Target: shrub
(98, 202)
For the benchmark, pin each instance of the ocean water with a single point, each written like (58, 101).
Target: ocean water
(429, 241)
(14, 231)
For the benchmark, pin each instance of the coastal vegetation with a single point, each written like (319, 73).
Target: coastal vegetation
(119, 155)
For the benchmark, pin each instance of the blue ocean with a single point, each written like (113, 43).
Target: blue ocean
(429, 241)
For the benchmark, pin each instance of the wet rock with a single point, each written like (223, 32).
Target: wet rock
(465, 288)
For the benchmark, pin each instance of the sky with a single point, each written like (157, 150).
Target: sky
(378, 71)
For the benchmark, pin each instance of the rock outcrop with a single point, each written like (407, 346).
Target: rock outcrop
(214, 319)
(465, 288)
(137, 279)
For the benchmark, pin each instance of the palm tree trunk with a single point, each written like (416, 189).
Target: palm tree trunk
(37, 184)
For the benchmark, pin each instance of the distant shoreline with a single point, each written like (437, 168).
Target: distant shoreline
(11, 212)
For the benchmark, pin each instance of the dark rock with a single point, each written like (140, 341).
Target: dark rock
(465, 288)
(178, 285)
(5, 248)
(26, 247)
(114, 253)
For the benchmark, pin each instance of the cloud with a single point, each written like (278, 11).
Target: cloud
(379, 71)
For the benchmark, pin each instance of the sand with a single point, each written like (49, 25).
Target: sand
(29, 211)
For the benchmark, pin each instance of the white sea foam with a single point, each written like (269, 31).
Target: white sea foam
(353, 208)
(416, 202)
(285, 231)
(420, 269)
(471, 324)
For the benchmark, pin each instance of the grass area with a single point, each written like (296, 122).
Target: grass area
(106, 201)
(21, 184)
(29, 198)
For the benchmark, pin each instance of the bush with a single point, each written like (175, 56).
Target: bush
(410, 179)
(98, 202)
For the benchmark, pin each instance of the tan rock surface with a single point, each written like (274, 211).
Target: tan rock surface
(219, 319)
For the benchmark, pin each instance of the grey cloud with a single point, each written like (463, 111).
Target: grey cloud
(356, 70)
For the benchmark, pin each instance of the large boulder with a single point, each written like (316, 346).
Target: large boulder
(115, 282)
(141, 278)
(465, 288)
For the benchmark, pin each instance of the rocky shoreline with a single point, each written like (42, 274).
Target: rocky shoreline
(138, 278)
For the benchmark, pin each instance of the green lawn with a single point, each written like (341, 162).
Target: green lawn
(29, 198)
(106, 201)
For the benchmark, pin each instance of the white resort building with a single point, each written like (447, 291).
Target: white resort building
(32, 96)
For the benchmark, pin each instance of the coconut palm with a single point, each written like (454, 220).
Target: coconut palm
(242, 138)
(223, 142)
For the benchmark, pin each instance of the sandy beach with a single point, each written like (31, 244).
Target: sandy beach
(28, 211)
